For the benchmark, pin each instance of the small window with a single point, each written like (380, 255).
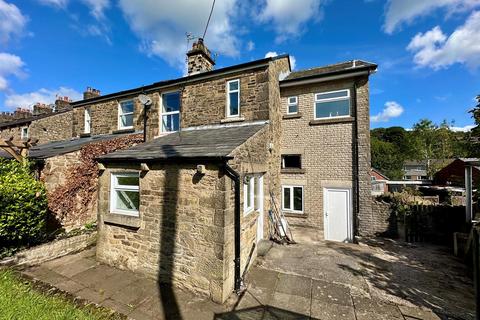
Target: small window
(248, 194)
(24, 133)
(88, 121)
(125, 114)
(292, 105)
(124, 193)
(291, 161)
(170, 114)
(373, 178)
(292, 198)
(233, 98)
(333, 104)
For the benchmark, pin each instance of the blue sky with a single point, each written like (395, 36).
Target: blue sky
(428, 51)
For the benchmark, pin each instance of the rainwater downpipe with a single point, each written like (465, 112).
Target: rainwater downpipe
(356, 163)
(235, 176)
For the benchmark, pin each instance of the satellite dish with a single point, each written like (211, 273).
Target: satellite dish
(145, 100)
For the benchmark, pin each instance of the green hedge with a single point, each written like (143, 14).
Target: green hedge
(23, 205)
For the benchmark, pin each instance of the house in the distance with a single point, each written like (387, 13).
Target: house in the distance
(379, 182)
(422, 170)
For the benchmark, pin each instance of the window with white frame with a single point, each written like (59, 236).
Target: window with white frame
(248, 194)
(292, 105)
(170, 113)
(87, 121)
(333, 104)
(24, 133)
(292, 199)
(124, 193)
(125, 114)
(233, 98)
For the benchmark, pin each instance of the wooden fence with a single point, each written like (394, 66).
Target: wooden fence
(433, 223)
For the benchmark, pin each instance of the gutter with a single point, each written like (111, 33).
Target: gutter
(235, 176)
(336, 75)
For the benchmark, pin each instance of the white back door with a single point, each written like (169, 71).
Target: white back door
(337, 214)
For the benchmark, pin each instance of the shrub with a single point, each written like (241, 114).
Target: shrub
(23, 205)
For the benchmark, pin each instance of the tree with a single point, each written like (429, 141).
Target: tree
(476, 117)
(387, 158)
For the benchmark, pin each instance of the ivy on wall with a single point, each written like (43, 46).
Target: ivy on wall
(72, 200)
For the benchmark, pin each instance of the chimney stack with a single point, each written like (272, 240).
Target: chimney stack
(41, 108)
(22, 113)
(199, 58)
(62, 103)
(91, 93)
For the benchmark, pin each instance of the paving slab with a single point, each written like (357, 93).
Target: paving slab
(45, 274)
(294, 285)
(69, 286)
(71, 267)
(293, 303)
(92, 295)
(331, 293)
(331, 311)
(411, 313)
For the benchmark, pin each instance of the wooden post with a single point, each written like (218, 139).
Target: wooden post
(476, 271)
(468, 194)
(18, 150)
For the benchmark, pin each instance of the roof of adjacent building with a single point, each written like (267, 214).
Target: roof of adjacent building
(55, 148)
(210, 142)
(332, 69)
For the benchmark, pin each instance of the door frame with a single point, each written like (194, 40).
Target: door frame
(349, 213)
(261, 209)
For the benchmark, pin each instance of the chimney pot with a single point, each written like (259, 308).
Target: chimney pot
(91, 93)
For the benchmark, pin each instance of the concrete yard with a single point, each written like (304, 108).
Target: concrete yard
(323, 280)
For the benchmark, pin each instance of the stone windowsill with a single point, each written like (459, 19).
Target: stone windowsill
(331, 121)
(295, 215)
(292, 116)
(233, 119)
(292, 171)
(122, 220)
(129, 130)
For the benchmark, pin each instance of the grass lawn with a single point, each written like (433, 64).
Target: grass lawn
(20, 300)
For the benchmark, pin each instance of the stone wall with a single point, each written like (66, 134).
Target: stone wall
(327, 149)
(179, 234)
(15, 132)
(52, 128)
(52, 250)
(383, 221)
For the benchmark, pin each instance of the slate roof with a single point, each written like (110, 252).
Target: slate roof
(56, 148)
(343, 67)
(189, 144)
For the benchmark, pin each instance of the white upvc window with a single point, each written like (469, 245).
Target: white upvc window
(292, 105)
(332, 104)
(170, 112)
(233, 98)
(87, 121)
(125, 114)
(248, 194)
(292, 199)
(24, 133)
(125, 193)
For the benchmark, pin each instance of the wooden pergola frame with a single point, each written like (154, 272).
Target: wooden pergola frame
(17, 149)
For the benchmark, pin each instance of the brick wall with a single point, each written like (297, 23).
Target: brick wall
(326, 149)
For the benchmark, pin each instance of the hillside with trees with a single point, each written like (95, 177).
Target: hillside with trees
(426, 140)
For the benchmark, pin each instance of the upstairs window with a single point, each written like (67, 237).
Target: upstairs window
(125, 114)
(292, 199)
(87, 121)
(334, 104)
(170, 114)
(24, 133)
(233, 98)
(291, 161)
(248, 194)
(292, 105)
(124, 193)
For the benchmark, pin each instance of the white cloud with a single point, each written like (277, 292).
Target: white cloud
(9, 65)
(55, 3)
(250, 45)
(392, 110)
(12, 21)
(399, 12)
(97, 7)
(162, 25)
(293, 61)
(290, 17)
(462, 129)
(43, 95)
(436, 50)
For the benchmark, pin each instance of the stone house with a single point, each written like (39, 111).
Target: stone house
(189, 205)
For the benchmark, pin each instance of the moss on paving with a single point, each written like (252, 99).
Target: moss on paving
(19, 299)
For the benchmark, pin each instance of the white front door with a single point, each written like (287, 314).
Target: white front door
(259, 188)
(337, 214)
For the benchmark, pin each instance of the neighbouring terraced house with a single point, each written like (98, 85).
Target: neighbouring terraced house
(189, 204)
